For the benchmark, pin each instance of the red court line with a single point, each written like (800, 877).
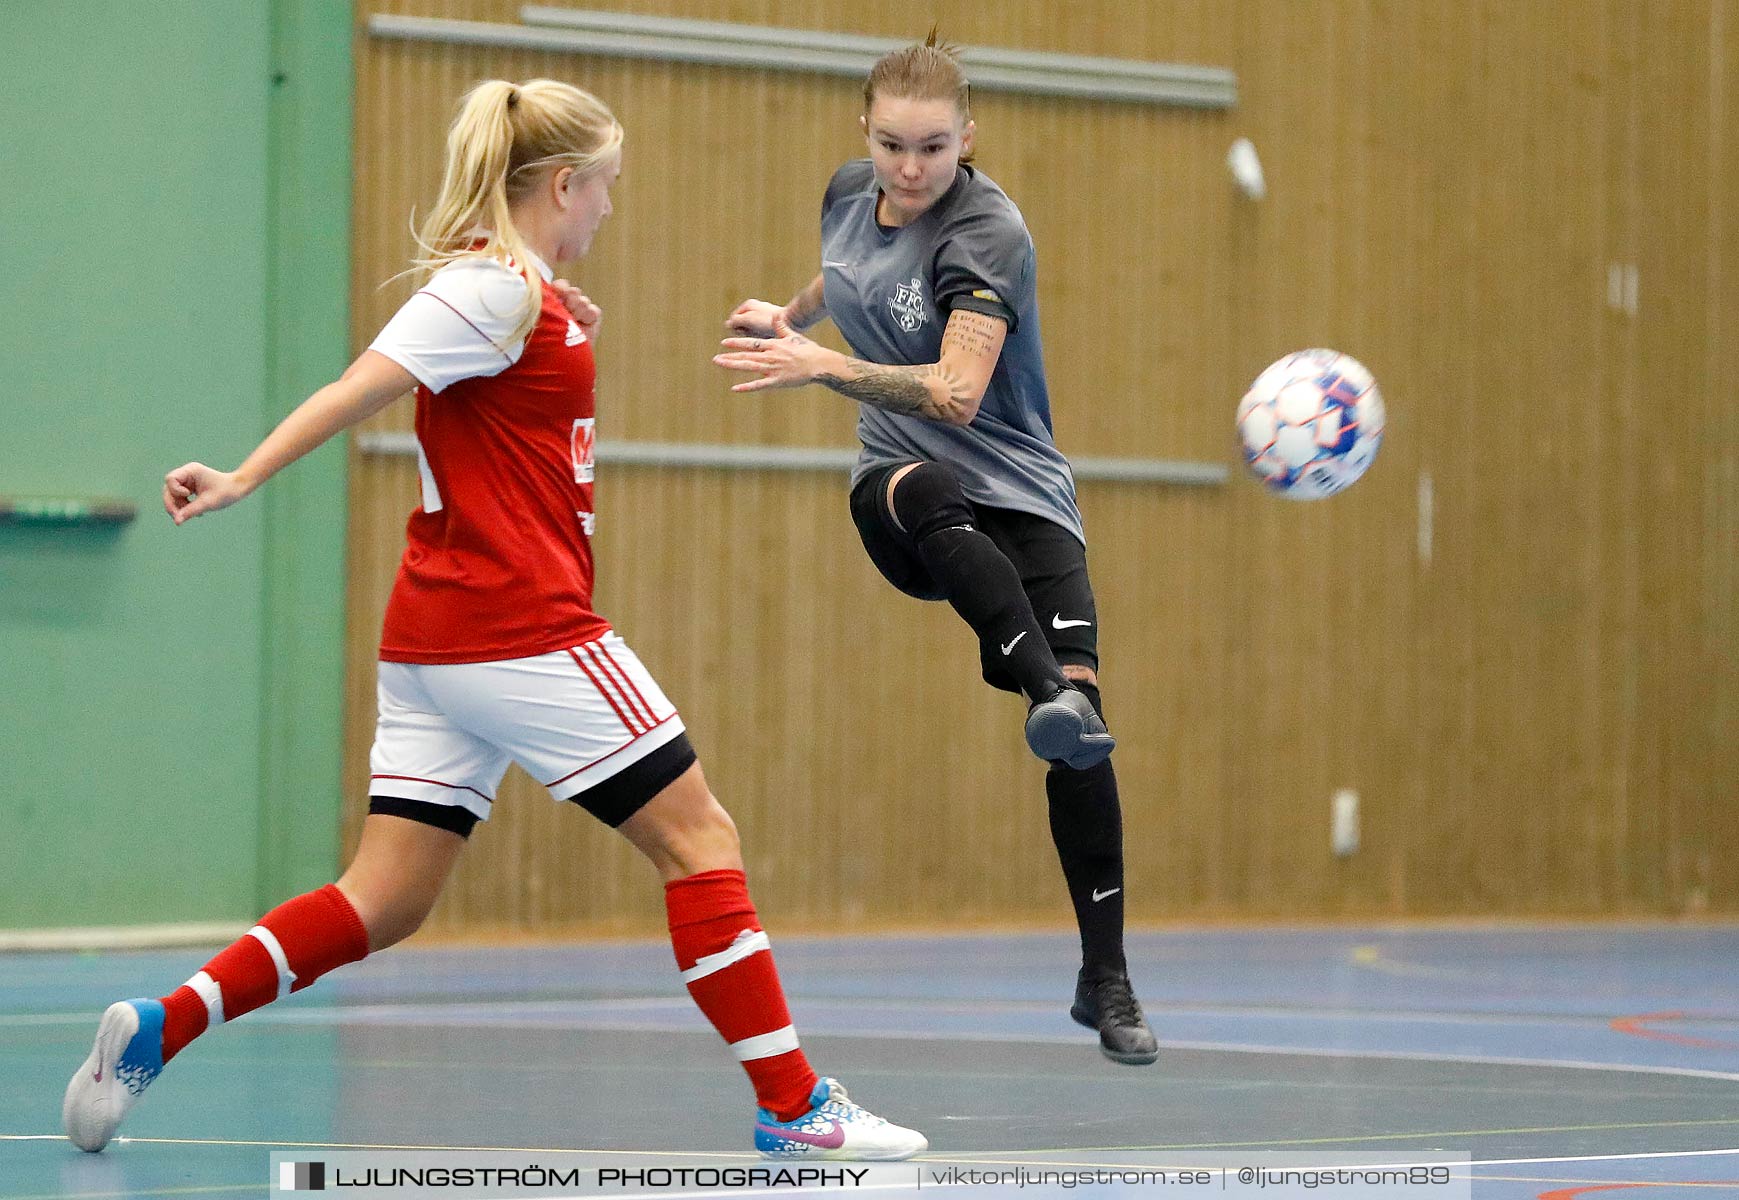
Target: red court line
(1637, 1026)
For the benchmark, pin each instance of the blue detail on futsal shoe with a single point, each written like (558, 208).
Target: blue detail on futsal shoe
(836, 1128)
(127, 1056)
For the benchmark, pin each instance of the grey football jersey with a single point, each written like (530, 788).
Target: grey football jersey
(890, 292)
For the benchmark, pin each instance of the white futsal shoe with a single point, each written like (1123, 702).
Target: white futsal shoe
(127, 1056)
(835, 1128)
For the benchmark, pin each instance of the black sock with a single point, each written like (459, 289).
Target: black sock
(1087, 826)
(986, 591)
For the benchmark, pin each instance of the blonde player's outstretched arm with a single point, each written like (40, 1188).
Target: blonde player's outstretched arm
(368, 385)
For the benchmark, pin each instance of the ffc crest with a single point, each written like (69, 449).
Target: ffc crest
(907, 305)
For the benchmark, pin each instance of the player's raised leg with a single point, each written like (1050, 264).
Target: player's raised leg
(925, 505)
(390, 887)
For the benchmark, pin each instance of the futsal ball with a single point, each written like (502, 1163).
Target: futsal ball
(1311, 424)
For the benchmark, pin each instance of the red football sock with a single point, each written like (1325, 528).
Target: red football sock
(728, 967)
(291, 947)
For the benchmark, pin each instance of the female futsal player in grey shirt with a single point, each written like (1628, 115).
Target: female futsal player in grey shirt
(960, 493)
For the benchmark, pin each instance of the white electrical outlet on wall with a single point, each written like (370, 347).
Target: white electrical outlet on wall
(1343, 822)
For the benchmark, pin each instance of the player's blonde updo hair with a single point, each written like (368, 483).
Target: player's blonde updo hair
(927, 70)
(504, 138)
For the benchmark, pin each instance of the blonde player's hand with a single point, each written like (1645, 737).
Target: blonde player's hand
(753, 318)
(192, 490)
(787, 359)
(585, 313)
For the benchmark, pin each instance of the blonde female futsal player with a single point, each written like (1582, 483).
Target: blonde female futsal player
(960, 492)
(492, 652)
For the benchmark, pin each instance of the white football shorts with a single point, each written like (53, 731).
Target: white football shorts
(571, 718)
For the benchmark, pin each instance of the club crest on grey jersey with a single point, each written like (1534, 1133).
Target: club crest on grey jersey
(907, 305)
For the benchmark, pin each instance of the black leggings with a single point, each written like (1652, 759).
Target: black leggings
(1051, 563)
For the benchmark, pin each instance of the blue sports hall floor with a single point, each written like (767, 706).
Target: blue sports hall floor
(1565, 1060)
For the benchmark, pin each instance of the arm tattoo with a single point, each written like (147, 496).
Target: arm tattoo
(971, 333)
(903, 390)
(907, 391)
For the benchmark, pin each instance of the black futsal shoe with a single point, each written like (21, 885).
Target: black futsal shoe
(1065, 729)
(1108, 1004)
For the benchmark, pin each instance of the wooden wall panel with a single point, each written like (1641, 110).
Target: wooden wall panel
(1539, 714)
(1683, 433)
(1714, 859)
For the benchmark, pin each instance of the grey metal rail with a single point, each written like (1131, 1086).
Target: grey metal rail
(765, 47)
(823, 458)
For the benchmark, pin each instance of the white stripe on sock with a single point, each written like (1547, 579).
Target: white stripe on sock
(766, 1045)
(269, 940)
(749, 941)
(209, 992)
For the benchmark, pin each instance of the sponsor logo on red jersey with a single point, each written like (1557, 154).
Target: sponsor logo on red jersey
(583, 440)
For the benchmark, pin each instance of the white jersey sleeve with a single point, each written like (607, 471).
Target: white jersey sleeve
(458, 325)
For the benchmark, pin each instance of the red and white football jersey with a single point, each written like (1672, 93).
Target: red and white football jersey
(499, 560)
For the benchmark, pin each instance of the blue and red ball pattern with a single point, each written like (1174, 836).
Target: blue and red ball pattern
(1311, 424)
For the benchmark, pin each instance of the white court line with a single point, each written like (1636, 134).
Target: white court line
(540, 1015)
(384, 1146)
(1246, 1012)
(1568, 1064)
(978, 1158)
(334, 1014)
(1576, 1158)
(451, 1014)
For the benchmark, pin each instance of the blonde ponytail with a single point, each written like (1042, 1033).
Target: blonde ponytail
(504, 135)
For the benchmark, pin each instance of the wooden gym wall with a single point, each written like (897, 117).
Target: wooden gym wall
(1513, 639)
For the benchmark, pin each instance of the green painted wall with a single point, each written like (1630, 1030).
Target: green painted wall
(177, 186)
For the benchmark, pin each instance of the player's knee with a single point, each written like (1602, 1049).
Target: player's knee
(708, 821)
(704, 840)
(928, 498)
(685, 831)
